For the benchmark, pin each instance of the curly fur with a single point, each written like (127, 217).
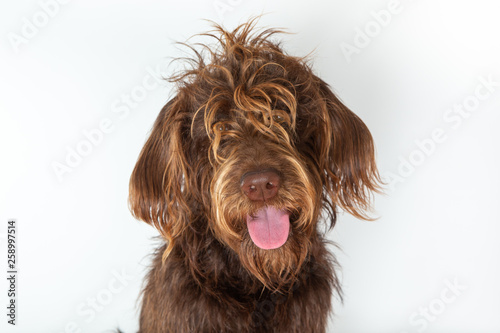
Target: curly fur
(244, 105)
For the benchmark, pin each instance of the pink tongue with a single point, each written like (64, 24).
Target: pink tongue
(269, 228)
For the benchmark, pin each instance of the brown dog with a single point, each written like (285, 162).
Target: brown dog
(235, 174)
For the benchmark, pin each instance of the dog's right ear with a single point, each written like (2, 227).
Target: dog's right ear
(347, 156)
(159, 183)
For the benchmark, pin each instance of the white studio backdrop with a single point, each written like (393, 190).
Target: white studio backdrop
(85, 76)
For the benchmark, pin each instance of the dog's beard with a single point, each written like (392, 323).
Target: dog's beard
(298, 198)
(275, 268)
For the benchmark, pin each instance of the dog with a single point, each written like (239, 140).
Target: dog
(242, 166)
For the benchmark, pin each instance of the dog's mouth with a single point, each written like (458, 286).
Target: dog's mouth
(269, 227)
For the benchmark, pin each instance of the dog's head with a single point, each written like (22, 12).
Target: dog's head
(255, 147)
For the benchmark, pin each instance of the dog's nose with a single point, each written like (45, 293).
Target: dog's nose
(260, 185)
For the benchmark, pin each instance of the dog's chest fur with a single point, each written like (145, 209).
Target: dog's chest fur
(209, 291)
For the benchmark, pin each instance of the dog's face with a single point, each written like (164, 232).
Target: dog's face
(254, 147)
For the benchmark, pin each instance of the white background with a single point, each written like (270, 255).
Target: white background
(439, 221)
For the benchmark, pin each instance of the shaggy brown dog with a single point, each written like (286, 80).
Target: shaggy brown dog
(238, 168)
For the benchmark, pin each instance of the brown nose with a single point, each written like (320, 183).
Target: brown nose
(260, 185)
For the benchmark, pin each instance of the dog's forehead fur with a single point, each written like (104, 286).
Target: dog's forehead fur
(248, 80)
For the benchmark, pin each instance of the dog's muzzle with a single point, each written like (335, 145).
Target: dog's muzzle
(269, 227)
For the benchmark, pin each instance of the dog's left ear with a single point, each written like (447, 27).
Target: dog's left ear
(159, 185)
(347, 157)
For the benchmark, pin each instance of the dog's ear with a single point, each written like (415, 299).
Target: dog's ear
(159, 183)
(347, 157)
